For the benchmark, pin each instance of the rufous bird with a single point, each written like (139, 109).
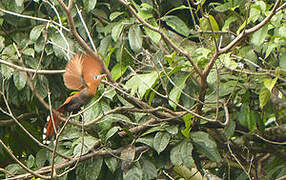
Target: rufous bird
(83, 72)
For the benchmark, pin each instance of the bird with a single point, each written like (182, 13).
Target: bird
(83, 73)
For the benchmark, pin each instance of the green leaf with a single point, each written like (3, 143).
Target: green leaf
(89, 4)
(252, 118)
(19, 2)
(14, 168)
(229, 129)
(214, 24)
(201, 54)
(153, 129)
(36, 32)
(180, 82)
(270, 49)
(29, 52)
(2, 43)
(114, 15)
(19, 79)
(259, 36)
(112, 163)
(261, 5)
(206, 145)
(111, 132)
(155, 36)
(228, 62)
(241, 27)
(133, 174)
(89, 142)
(135, 38)
(145, 11)
(141, 83)
(42, 86)
(243, 114)
(104, 46)
(41, 158)
(186, 154)
(172, 129)
(182, 154)
(226, 6)
(177, 24)
(264, 96)
(254, 14)
(107, 121)
(89, 169)
(282, 63)
(181, 7)
(161, 141)
(282, 32)
(230, 20)
(31, 161)
(270, 83)
(188, 121)
(148, 140)
(118, 70)
(6, 71)
(149, 170)
(175, 156)
(116, 31)
(110, 93)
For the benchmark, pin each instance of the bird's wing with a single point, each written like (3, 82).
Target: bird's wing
(91, 67)
(72, 76)
(80, 71)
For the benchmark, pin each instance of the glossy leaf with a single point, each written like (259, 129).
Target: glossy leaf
(114, 15)
(19, 80)
(89, 169)
(135, 38)
(36, 32)
(112, 163)
(89, 4)
(213, 22)
(116, 31)
(111, 132)
(89, 142)
(148, 140)
(133, 174)
(264, 96)
(31, 161)
(177, 24)
(229, 129)
(259, 36)
(269, 83)
(161, 141)
(181, 154)
(206, 145)
(41, 158)
(141, 83)
(149, 170)
(175, 94)
(188, 120)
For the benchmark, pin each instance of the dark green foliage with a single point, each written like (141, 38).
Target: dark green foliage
(179, 114)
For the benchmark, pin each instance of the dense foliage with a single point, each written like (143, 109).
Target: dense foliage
(194, 89)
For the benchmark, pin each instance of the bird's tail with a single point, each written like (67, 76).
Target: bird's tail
(49, 131)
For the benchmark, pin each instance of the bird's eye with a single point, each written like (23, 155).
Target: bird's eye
(95, 77)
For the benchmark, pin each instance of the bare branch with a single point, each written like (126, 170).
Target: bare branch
(24, 69)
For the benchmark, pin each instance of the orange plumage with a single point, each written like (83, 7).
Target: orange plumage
(82, 73)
